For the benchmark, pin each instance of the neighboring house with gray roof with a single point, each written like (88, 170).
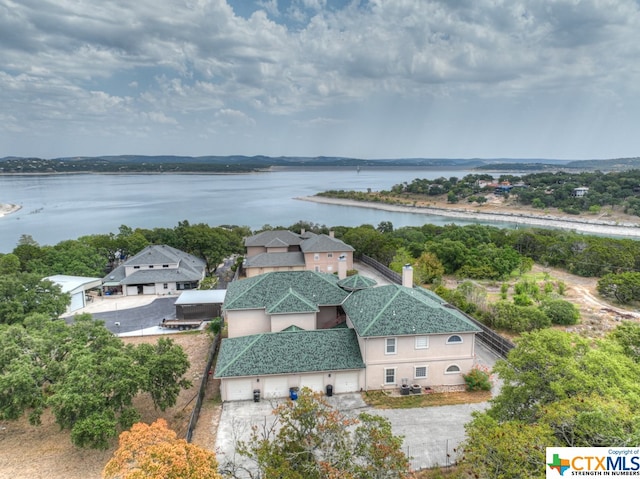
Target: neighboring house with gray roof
(157, 269)
(304, 328)
(284, 250)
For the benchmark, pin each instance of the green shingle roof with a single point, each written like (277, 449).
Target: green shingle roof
(292, 302)
(266, 290)
(395, 310)
(287, 352)
(356, 282)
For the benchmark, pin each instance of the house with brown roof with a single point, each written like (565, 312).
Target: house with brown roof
(306, 328)
(284, 250)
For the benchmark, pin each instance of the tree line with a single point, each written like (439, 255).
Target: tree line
(620, 190)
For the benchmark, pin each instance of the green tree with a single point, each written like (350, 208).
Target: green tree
(400, 259)
(312, 440)
(23, 294)
(9, 264)
(511, 450)
(623, 287)
(427, 268)
(85, 375)
(560, 311)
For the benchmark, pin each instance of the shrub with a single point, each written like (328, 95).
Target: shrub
(478, 379)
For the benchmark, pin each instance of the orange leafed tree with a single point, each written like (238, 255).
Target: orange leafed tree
(155, 452)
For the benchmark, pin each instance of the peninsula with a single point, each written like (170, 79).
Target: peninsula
(8, 208)
(495, 211)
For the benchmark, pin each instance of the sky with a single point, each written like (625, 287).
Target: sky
(354, 78)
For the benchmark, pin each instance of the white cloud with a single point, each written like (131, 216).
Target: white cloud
(390, 66)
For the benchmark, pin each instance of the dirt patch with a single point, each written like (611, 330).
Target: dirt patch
(33, 452)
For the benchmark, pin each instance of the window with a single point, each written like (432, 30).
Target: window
(150, 266)
(390, 375)
(317, 269)
(422, 342)
(165, 265)
(390, 346)
(454, 339)
(420, 372)
(329, 255)
(136, 267)
(453, 369)
(165, 286)
(316, 256)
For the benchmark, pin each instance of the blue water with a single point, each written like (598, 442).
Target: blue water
(60, 207)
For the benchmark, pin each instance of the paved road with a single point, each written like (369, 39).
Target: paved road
(138, 318)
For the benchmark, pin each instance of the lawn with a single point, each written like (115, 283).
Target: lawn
(385, 400)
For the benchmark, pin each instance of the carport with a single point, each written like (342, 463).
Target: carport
(77, 287)
(200, 304)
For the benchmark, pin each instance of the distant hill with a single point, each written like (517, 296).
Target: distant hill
(240, 163)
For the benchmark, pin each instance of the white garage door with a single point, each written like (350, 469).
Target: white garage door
(77, 301)
(276, 387)
(314, 382)
(346, 382)
(238, 389)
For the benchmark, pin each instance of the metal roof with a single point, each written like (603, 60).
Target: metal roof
(205, 296)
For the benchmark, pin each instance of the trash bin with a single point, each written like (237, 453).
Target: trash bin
(329, 390)
(293, 393)
(256, 395)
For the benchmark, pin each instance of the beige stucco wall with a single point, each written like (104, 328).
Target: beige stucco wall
(251, 272)
(327, 317)
(245, 322)
(437, 357)
(327, 264)
(302, 320)
(254, 250)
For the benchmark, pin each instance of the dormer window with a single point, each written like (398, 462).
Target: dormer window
(150, 266)
(165, 265)
(136, 267)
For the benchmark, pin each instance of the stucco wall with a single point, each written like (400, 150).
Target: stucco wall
(245, 322)
(325, 263)
(302, 320)
(437, 357)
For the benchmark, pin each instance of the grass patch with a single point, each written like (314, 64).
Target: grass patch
(383, 400)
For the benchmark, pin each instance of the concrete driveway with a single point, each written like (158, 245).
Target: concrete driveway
(430, 434)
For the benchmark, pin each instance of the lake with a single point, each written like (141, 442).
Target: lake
(60, 207)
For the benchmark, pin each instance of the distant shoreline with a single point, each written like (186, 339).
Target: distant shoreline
(8, 208)
(544, 221)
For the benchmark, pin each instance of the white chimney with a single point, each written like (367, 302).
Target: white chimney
(342, 267)
(332, 234)
(407, 276)
(302, 231)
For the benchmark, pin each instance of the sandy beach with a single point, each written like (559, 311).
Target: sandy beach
(594, 226)
(8, 208)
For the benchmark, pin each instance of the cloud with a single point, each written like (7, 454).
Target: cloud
(195, 63)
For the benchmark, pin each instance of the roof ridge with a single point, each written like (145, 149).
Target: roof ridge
(383, 309)
(259, 280)
(255, 339)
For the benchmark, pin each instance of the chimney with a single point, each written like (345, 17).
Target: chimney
(332, 234)
(407, 276)
(342, 267)
(302, 231)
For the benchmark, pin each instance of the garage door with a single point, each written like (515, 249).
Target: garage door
(314, 382)
(238, 389)
(346, 382)
(276, 387)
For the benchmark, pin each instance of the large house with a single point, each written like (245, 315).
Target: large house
(283, 250)
(305, 328)
(157, 269)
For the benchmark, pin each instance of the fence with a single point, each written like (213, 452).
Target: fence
(490, 338)
(195, 414)
(434, 453)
